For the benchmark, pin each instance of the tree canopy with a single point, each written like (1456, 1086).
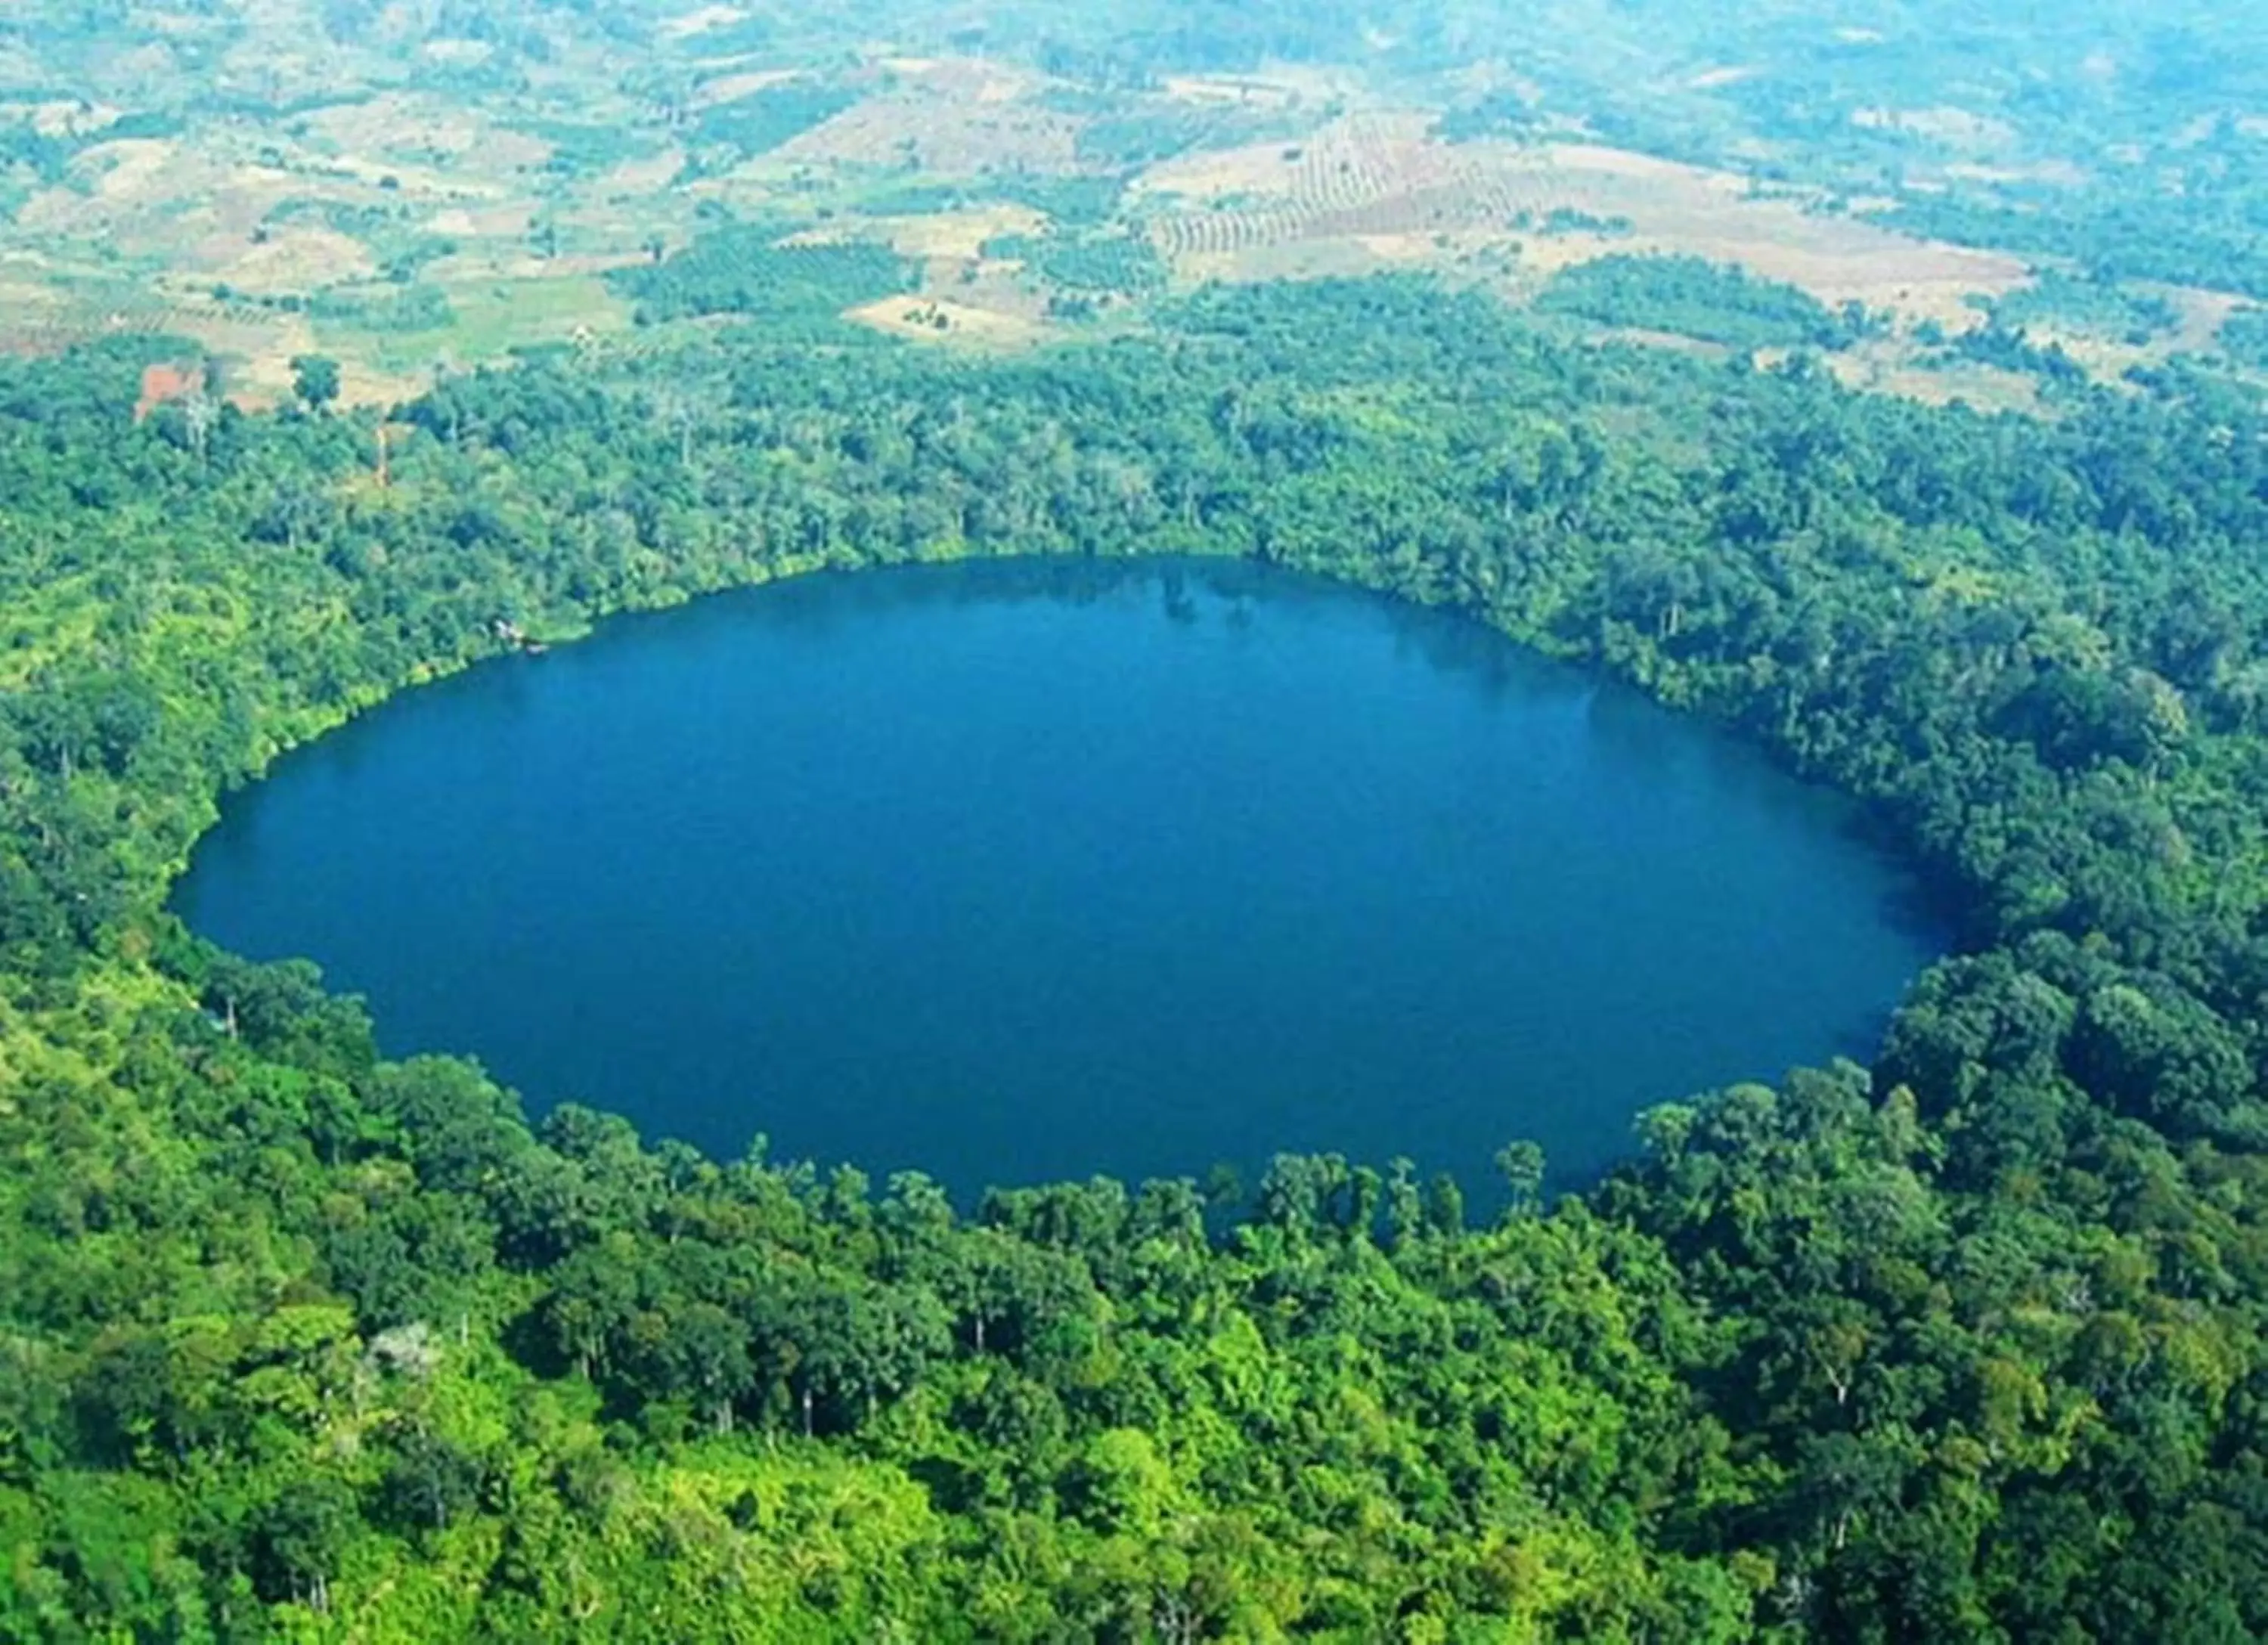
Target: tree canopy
(301, 1342)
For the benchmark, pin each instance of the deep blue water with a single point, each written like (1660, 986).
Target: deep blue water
(1023, 872)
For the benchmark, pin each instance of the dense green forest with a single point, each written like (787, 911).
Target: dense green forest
(1714, 302)
(296, 1342)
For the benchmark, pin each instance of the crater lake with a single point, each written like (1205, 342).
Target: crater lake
(1025, 871)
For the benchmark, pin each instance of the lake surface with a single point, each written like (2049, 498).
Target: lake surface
(1023, 872)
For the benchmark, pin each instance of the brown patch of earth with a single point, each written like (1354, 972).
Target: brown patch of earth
(942, 320)
(698, 22)
(1955, 128)
(964, 80)
(728, 88)
(163, 384)
(2200, 314)
(945, 136)
(457, 54)
(1674, 341)
(299, 259)
(955, 234)
(1380, 183)
(1232, 90)
(1891, 371)
(2056, 173)
(640, 181)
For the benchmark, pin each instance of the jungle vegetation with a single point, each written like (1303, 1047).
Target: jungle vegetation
(299, 1342)
(1695, 298)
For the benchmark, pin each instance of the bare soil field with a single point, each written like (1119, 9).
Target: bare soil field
(69, 119)
(943, 320)
(1353, 160)
(163, 384)
(1676, 343)
(298, 259)
(2200, 315)
(421, 146)
(2057, 173)
(728, 88)
(699, 21)
(373, 177)
(482, 222)
(40, 320)
(1891, 371)
(260, 374)
(396, 122)
(640, 181)
(1240, 90)
(945, 137)
(964, 80)
(1955, 128)
(1380, 177)
(457, 53)
(160, 199)
(956, 234)
(131, 170)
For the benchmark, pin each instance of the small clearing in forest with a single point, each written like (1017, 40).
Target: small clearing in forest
(942, 320)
